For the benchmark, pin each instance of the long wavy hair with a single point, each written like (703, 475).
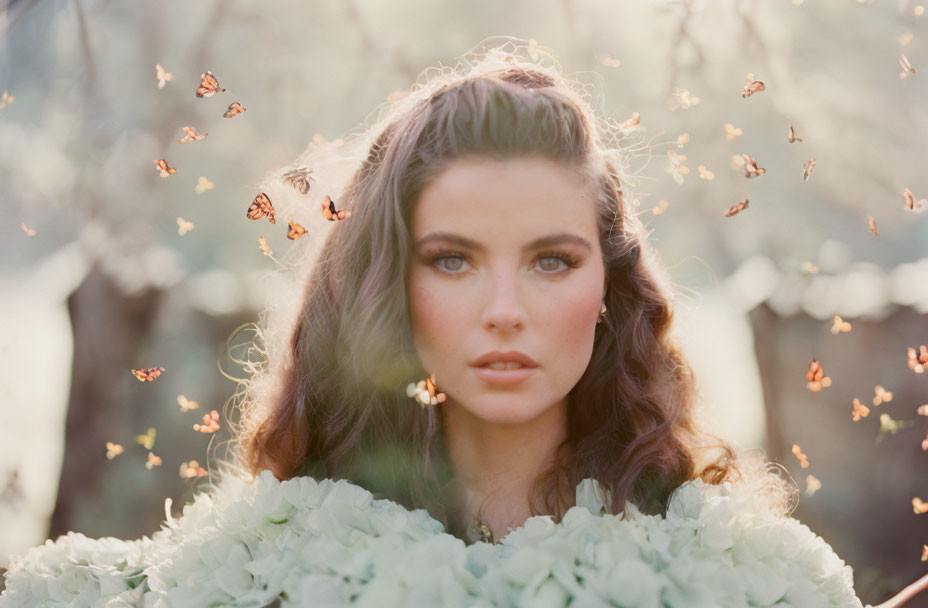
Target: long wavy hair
(330, 400)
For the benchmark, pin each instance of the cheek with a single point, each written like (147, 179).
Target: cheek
(434, 321)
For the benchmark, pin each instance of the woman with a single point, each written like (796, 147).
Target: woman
(489, 248)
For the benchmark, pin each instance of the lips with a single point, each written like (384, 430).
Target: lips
(511, 359)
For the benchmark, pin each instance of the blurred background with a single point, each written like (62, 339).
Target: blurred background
(97, 279)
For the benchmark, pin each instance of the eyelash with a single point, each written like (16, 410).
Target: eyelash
(570, 260)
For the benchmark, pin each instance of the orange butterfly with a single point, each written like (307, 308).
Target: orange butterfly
(183, 226)
(925, 553)
(210, 423)
(660, 207)
(840, 325)
(731, 132)
(260, 207)
(860, 410)
(296, 231)
(925, 444)
(299, 179)
(871, 223)
(189, 470)
(918, 362)
(816, 378)
(705, 173)
(803, 459)
(918, 506)
(265, 248)
(737, 208)
(750, 166)
(329, 212)
(813, 485)
(153, 461)
(914, 205)
(5, 99)
(162, 75)
(162, 166)
(235, 108)
(191, 135)
(203, 185)
(792, 135)
(922, 410)
(209, 86)
(752, 87)
(147, 375)
(113, 450)
(186, 404)
(807, 169)
(29, 231)
(882, 395)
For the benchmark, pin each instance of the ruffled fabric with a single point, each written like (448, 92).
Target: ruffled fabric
(330, 543)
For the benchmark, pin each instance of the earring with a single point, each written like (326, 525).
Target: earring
(602, 313)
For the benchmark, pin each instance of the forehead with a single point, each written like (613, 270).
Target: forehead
(520, 198)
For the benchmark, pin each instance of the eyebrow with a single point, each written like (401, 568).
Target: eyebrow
(466, 243)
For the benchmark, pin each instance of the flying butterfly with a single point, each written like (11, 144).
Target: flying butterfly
(113, 450)
(888, 425)
(731, 132)
(162, 75)
(914, 205)
(296, 231)
(235, 108)
(737, 208)
(756, 86)
(203, 185)
(209, 86)
(925, 444)
(925, 553)
(792, 135)
(147, 374)
(610, 62)
(918, 506)
(148, 439)
(162, 166)
(803, 459)
(183, 226)
(871, 223)
(813, 485)
(676, 168)
(705, 173)
(907, 69)
(922, 410)
(186, 404)
(189, 470)
(329, 212)
(153, 461)
(750, 166)
(807, 169)
(683, 139)
(882, 395)
(681, 98)
(210, 423)
(840, 325)
(191, 135)
(859, 410)
(299, 178)
(5, 99)
(660, 207)
(29, 231)
(260, 207)
(816, 378)
(917, 361)
(265, 248)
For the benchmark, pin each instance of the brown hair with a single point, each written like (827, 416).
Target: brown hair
(332, 401)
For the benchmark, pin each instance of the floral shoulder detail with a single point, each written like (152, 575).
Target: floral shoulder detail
(303, 541)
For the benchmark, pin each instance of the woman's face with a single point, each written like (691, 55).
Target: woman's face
(506, 258)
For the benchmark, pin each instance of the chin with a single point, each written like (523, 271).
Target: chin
(503, 411)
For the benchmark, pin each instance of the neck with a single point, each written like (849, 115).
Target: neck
(496, 464)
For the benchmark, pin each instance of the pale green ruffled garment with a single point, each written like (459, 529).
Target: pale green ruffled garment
(308, 543)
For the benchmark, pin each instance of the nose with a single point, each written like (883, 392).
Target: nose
(504, 310)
